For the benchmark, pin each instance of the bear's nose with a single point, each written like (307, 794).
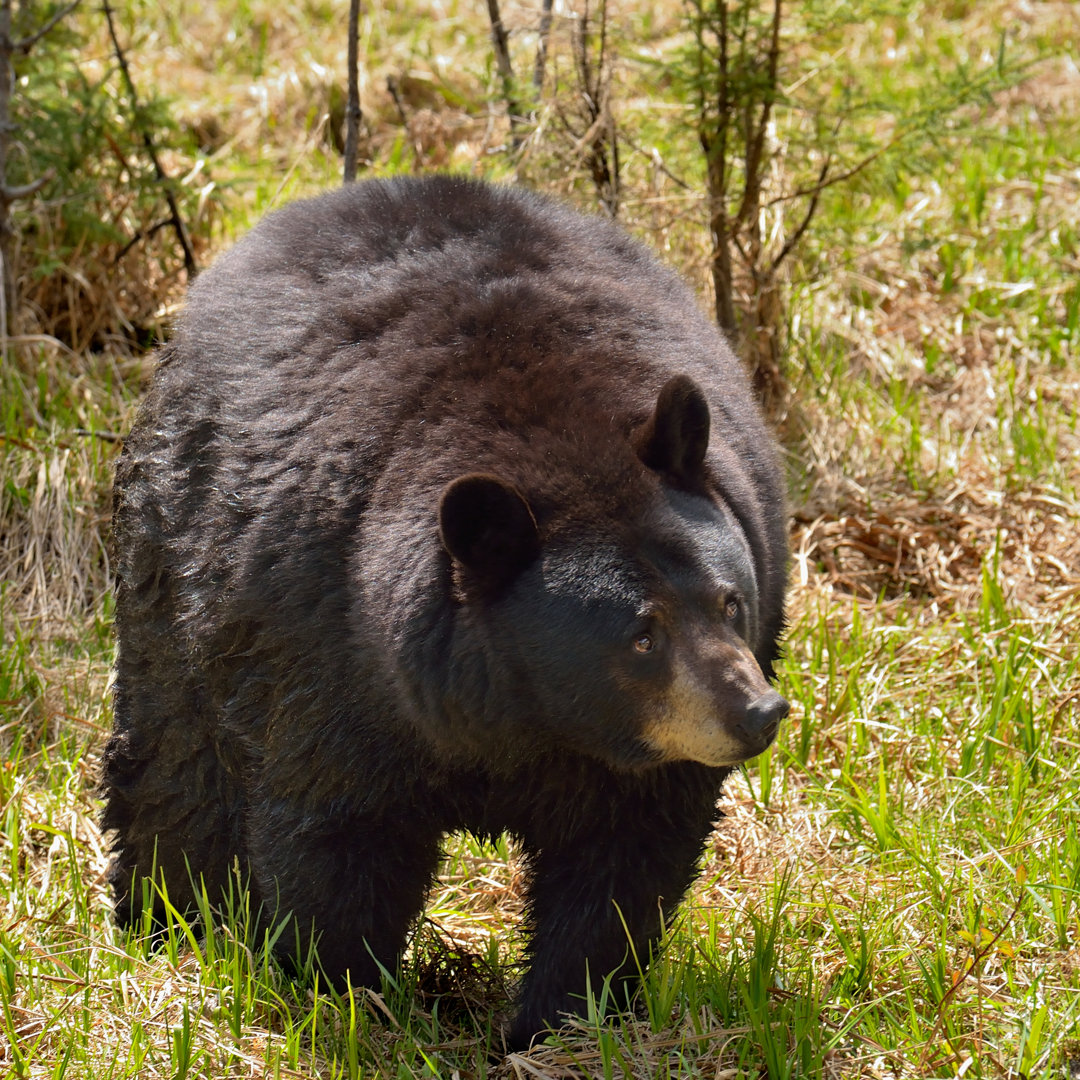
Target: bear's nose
(763, 716)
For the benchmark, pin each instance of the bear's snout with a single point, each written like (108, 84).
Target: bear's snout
(761, 721)
(720, 710)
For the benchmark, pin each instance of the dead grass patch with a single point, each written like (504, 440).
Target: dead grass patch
(932, 549)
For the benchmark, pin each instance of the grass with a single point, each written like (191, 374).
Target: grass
(894, 891)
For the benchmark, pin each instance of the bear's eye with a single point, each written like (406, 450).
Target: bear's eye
(731, 609)
(644, 643)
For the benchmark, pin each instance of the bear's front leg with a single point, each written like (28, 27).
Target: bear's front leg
(354, 883)
(596, 903)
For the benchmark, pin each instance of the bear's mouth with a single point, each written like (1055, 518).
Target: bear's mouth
(712, 743)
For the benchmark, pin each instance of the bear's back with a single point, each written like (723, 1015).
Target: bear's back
(357, 351)
(385, 288)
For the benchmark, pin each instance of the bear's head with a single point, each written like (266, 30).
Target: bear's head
(635, 642)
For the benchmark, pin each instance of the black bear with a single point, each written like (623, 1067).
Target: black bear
(447, 509)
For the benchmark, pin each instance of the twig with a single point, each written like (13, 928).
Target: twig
(142, 234)
(796, 236)
(395, 94)
(654, 156)
(24, 45)
(178, 222)
(837, 178)
(824, 181)
(594, 87)
(104, 436)
(353, 115)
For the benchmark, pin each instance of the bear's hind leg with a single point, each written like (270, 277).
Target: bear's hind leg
(170, 800)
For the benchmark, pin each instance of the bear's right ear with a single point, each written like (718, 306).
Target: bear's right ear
(675, 438)
(488, 527)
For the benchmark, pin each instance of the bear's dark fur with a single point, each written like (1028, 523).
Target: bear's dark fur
(447, 509)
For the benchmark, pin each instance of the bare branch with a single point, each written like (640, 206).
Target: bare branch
(8, 195)
(394, 91)
(600, 143)
(654, 156)
(839, 178)
(142, 234)
(24, 45)
(399, 103)
(737, 243)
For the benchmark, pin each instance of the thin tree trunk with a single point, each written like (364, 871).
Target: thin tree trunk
(755, 325)
(353, 115)
(722, 276)
(500, 41)
(542, 47)
(764, 344)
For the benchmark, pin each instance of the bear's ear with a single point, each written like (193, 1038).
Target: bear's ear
(488, 527)
(676, 436)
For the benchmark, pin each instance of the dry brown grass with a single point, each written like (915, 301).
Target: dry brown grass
(55, 501)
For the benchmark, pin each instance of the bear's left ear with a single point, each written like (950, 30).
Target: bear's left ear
(675, 438)
(488, 527)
